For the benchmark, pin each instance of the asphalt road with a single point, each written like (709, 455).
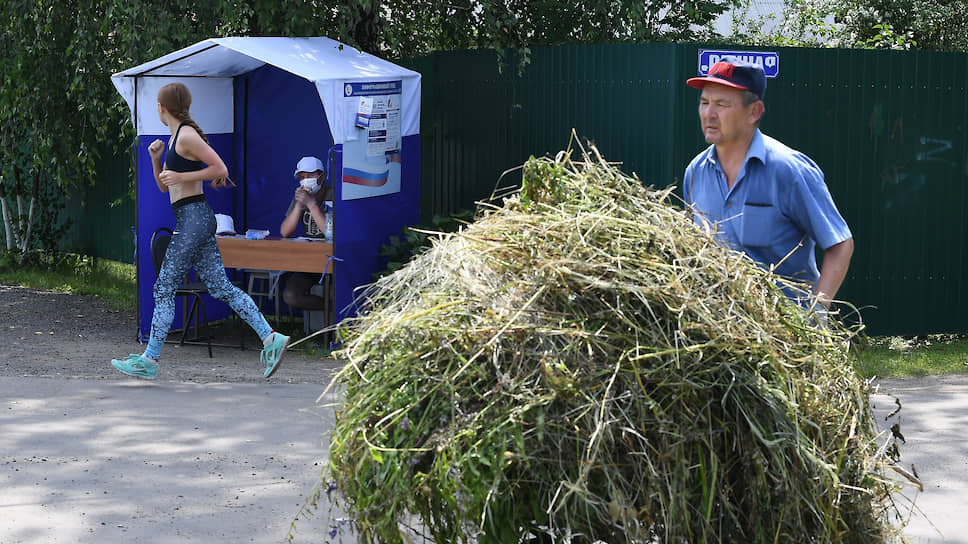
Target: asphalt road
(934, 421)
(85, 461)
(93, 461)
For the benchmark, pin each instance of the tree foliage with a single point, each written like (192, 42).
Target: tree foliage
(408, 28)
(58, 108)
(934, 25)
(57, 102)
(802, 23)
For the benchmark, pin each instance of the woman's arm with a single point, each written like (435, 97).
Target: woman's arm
(155, 150)
(191, 146)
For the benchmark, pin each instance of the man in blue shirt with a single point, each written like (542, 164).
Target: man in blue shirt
(758, 195)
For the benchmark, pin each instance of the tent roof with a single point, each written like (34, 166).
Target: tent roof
(327, 63)
(315, 59)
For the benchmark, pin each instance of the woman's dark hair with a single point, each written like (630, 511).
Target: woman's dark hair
(177, 99)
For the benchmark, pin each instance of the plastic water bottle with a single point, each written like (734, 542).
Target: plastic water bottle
(329, 221)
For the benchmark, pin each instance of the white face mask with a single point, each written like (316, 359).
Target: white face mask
(309, 184)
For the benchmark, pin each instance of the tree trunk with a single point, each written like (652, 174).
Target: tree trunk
(367, 26)
(7, 225)
(34, 194)
(18, 234)
(19, 219)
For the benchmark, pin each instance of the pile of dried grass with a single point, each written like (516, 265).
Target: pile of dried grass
(584, 364)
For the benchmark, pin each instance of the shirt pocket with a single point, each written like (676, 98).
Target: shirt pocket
(759, 221)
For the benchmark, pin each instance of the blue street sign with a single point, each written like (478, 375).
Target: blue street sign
(770, 61)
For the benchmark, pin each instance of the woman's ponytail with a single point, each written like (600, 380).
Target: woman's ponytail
(176, 98)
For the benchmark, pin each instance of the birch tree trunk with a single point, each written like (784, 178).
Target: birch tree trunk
(7, 223)
(18, 218)
(34, 194)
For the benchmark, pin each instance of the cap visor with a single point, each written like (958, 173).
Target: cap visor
(700, 82)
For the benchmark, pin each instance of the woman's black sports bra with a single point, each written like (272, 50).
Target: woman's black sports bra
(177, 163)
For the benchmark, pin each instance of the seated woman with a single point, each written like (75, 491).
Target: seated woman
(307, 209)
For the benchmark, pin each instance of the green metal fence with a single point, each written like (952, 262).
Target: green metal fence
(98, 217)
(477, 122)
(101, 216)
(888, 129)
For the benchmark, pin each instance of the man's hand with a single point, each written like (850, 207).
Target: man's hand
(305, 199)
(819, 313)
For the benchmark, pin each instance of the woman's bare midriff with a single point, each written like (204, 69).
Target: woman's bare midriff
(178, 192)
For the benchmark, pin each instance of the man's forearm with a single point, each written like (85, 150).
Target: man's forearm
(836, 261)
(289, 223)
(319, 216)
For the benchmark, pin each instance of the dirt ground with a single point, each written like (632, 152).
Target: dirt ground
(52, 334)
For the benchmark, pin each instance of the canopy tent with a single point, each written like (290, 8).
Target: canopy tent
(264, 103)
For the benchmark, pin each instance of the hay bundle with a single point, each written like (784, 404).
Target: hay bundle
(584, 364)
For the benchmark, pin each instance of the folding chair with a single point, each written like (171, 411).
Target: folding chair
(269, 288)
(191, 289)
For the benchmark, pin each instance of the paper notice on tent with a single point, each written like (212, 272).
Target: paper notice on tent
(363, 112)
(371, 151)
(379, 117)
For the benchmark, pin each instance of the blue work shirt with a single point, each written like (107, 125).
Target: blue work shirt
(779, 200)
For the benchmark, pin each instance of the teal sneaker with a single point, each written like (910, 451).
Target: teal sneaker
(273, 351)
(137, 365)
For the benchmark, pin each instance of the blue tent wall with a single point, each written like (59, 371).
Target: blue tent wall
(279, 118)
(282, 120)
(365, 224)
(154, 211)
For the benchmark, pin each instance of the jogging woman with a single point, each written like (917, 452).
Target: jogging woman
(188, 161)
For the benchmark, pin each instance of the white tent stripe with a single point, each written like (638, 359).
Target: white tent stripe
(326, 62)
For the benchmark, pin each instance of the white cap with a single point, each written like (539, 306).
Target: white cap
(308, 164)
(224, 224)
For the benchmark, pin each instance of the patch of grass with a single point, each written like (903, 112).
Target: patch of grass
(885, 356)
(896, 356)
(79, 274)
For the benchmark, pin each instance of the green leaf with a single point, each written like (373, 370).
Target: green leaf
(377, 455)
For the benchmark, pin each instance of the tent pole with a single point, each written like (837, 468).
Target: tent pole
(134, 153)
(245, 152)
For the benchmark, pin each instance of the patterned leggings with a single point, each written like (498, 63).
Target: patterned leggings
(193, 244)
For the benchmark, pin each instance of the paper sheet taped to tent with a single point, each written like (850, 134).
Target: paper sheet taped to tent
(371, 149)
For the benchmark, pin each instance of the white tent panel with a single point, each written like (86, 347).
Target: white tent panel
(314, 58)
(327, 63)
(342, 115)
(211, 108)
(205, 58)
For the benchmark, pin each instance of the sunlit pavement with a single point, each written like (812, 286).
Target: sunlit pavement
(88, 461)
(134, 461)
(934, 423)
